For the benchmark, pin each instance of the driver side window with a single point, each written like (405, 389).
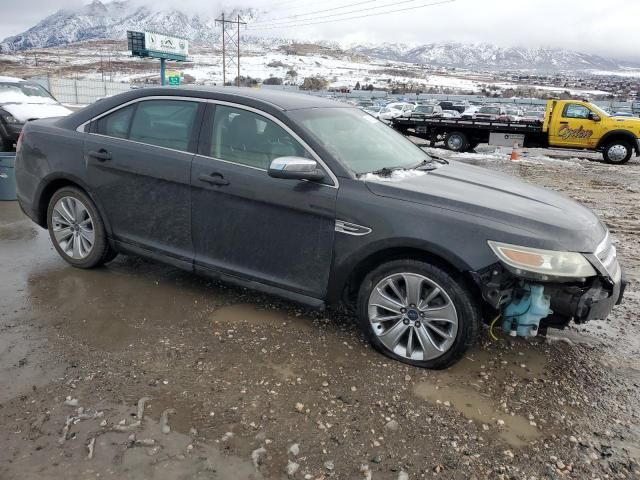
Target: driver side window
(573, 110)
(247, 138)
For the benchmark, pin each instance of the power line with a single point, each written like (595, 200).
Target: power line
(358, 16)
(233, 38)
(297, 15)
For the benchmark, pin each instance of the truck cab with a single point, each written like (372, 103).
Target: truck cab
(581, 124)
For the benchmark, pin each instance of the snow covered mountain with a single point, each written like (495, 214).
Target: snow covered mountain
(111, 20)
(486, 56)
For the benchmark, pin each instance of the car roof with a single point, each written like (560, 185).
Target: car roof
(276, 98)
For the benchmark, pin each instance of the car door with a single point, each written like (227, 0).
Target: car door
(139, 167)
(575, 128)
(245, 223)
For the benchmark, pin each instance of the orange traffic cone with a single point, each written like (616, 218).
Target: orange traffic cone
(514, 153)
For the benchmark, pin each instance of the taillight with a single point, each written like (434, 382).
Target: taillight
(19, 142)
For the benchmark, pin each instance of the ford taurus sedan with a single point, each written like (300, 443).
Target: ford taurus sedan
(319, 203)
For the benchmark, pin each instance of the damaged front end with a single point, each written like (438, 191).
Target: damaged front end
(534, 289)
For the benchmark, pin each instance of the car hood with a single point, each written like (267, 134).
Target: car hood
(32, 111)
(553, 220)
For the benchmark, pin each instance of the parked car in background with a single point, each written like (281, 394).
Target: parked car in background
(374, 110)
(396, 109)
(20, 102)
(290, 195)
(512, 114)
(450, 114)
(364, 103)
(489, 112)
(426, 111)
(533, 116)
(470, 112)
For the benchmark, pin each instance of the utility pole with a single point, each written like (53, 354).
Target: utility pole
(229, 37)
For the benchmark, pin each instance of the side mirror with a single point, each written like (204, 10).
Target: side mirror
(295, 168)
(594, 117)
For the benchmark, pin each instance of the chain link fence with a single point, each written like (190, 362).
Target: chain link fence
(82, 92)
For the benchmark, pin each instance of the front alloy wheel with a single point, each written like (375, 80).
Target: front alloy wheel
(418, 313)
(413, 316)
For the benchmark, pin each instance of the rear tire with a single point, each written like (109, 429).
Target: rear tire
(618, 152)
(456, 141)
(417, 313)
(77, 230)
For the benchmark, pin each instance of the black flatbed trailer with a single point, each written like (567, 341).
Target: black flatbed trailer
(461, 134)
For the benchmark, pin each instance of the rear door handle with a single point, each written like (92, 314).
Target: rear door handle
(214, 179)
(102, 154)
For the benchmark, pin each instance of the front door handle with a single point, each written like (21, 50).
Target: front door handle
(102, 154)
(214, 179)
(564, 123)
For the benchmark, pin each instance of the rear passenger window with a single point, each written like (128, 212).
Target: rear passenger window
(116, 124)
(244, 137)
(165, 123)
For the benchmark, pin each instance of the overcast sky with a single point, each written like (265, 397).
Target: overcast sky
(593, 26)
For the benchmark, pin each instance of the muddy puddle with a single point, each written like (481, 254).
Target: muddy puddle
(513, 429)
(260, 317)
(463, 387)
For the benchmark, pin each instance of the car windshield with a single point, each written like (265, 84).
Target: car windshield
(423, 109)
(24, 92)
(490, 110)
(362, 143)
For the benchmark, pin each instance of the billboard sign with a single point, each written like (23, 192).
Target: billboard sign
(157, 42)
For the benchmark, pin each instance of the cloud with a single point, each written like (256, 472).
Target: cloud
(591, 26)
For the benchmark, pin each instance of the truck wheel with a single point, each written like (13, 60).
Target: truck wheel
(417, 313)
(456, 141)
(618, 151)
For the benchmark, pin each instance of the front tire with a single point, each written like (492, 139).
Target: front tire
(76, 229)
(617, 152)
(417, 313)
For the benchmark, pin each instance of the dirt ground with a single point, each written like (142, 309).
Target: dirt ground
(139, 370)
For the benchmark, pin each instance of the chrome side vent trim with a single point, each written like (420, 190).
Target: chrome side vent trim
(351, 228)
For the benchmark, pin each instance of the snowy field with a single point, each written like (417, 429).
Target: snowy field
(108, 60)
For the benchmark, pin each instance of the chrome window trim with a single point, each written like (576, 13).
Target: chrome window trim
(81, 127)
(185, 152)
(334, 179)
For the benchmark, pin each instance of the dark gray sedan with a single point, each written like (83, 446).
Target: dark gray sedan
(320, 203)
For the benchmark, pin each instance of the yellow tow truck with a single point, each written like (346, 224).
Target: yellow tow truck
(574, 124)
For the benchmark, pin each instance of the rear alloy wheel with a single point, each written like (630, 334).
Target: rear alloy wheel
(76, 229)
(417, 313)
(456, 141)
(617, 152)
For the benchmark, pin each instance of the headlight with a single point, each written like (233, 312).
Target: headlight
(545, 262)
(7, 117)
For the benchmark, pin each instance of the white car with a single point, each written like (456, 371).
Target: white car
(450, 114)
(422, 111)
(396, 109)
(21, 101)
(490, 112)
